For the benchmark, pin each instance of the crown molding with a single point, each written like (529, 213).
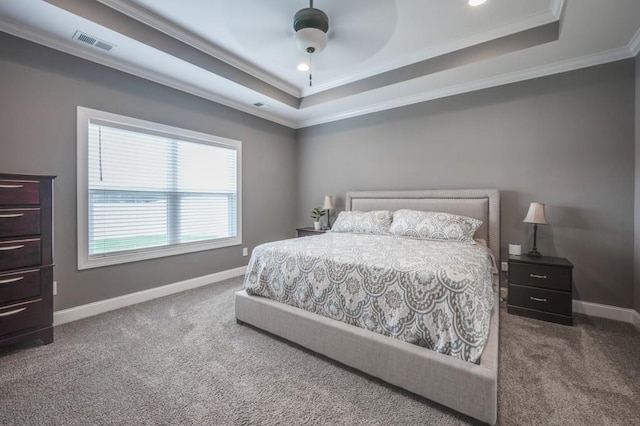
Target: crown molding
(557, 7)
(18, 30)
(500, 80)
(634, 44)
(535, 20)
(155, 21)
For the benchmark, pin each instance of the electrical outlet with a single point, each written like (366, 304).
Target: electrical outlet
(55, 288)
(245, 251)
(505, 266)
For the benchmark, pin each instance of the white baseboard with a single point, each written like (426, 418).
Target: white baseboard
(102, 306)
(605, 311)
(95, 308)
(636, 320)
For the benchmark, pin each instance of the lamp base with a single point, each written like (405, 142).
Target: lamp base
(534, 253)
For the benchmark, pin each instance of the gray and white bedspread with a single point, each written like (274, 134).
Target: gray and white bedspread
(434, 294)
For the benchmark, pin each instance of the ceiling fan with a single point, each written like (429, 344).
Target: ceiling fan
(338, 34)
(311, 26)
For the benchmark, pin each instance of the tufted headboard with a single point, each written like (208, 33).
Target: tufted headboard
(483, 204)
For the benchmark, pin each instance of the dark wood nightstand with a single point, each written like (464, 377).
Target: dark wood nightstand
(540, 287)
(306, 232)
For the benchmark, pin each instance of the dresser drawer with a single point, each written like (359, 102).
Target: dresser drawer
(17, 192)
(22, 316)
(544, 276)
(19, 222)
(17, 254)
(19, 286)
(557, 302)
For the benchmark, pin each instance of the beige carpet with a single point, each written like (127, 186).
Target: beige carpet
(184, 360)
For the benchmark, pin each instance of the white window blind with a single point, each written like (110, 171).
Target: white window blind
(153, 191)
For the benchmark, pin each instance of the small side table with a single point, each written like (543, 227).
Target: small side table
(540, 287)
(306, 232)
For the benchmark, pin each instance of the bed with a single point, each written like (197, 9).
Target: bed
(468, 387)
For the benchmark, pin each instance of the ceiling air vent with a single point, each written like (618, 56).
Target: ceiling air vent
(261, 105)
(93, 41)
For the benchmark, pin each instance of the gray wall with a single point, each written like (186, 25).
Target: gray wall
(565, 140)
(41, 89)
(637, 193)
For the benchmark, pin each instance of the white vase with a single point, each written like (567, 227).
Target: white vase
(317, 226)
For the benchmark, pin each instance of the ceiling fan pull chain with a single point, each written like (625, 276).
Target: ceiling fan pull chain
(310, 71)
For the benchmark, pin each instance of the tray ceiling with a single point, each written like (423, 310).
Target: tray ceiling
(380, 54)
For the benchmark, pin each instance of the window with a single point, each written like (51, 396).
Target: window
(146, 190)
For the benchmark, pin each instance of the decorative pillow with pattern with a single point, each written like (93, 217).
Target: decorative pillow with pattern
(373, 222)
(434, 226)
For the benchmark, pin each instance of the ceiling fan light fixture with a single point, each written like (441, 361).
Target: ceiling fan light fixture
(311, 40)
(476, 2)
(303, 67)
(311, 26)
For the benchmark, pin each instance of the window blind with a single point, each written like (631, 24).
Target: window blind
(149, 190)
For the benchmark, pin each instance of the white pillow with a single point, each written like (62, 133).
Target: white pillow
(373, 222)
(434, 226)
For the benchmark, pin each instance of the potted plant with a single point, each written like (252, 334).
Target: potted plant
(316, 214)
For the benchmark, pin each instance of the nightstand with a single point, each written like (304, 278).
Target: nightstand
(540, 287)
(306, 232)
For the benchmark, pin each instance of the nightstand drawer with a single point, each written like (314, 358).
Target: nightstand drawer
(557, 302)
(307, 232)
(17, 222)
(19, 286)
(22, 316)
(16, 192)
(17, 254)
(544, 276)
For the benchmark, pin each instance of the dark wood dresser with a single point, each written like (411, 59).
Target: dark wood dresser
(26, 258)
(540, 287)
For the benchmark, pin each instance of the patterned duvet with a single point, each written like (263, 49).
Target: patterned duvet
(434, 294)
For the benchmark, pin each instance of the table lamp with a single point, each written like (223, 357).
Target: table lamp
(536, 216)
(328, 206)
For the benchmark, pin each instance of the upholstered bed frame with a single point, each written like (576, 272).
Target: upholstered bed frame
(466, 387)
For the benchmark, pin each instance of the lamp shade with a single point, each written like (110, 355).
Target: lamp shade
(536, 214)
(328, 203)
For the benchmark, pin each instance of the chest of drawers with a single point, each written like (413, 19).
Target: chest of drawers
(540, 287)
(26, 258)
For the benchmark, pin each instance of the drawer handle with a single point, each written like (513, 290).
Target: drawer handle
(537, 299)
(6, 314)
(11, 186)
(542, 277)
(6, 216)
(11, 248)
(11, 280)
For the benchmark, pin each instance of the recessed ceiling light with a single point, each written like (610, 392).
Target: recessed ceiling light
(476, 2)
(303, 67)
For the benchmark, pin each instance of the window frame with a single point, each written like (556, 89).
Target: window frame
(85, 261)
